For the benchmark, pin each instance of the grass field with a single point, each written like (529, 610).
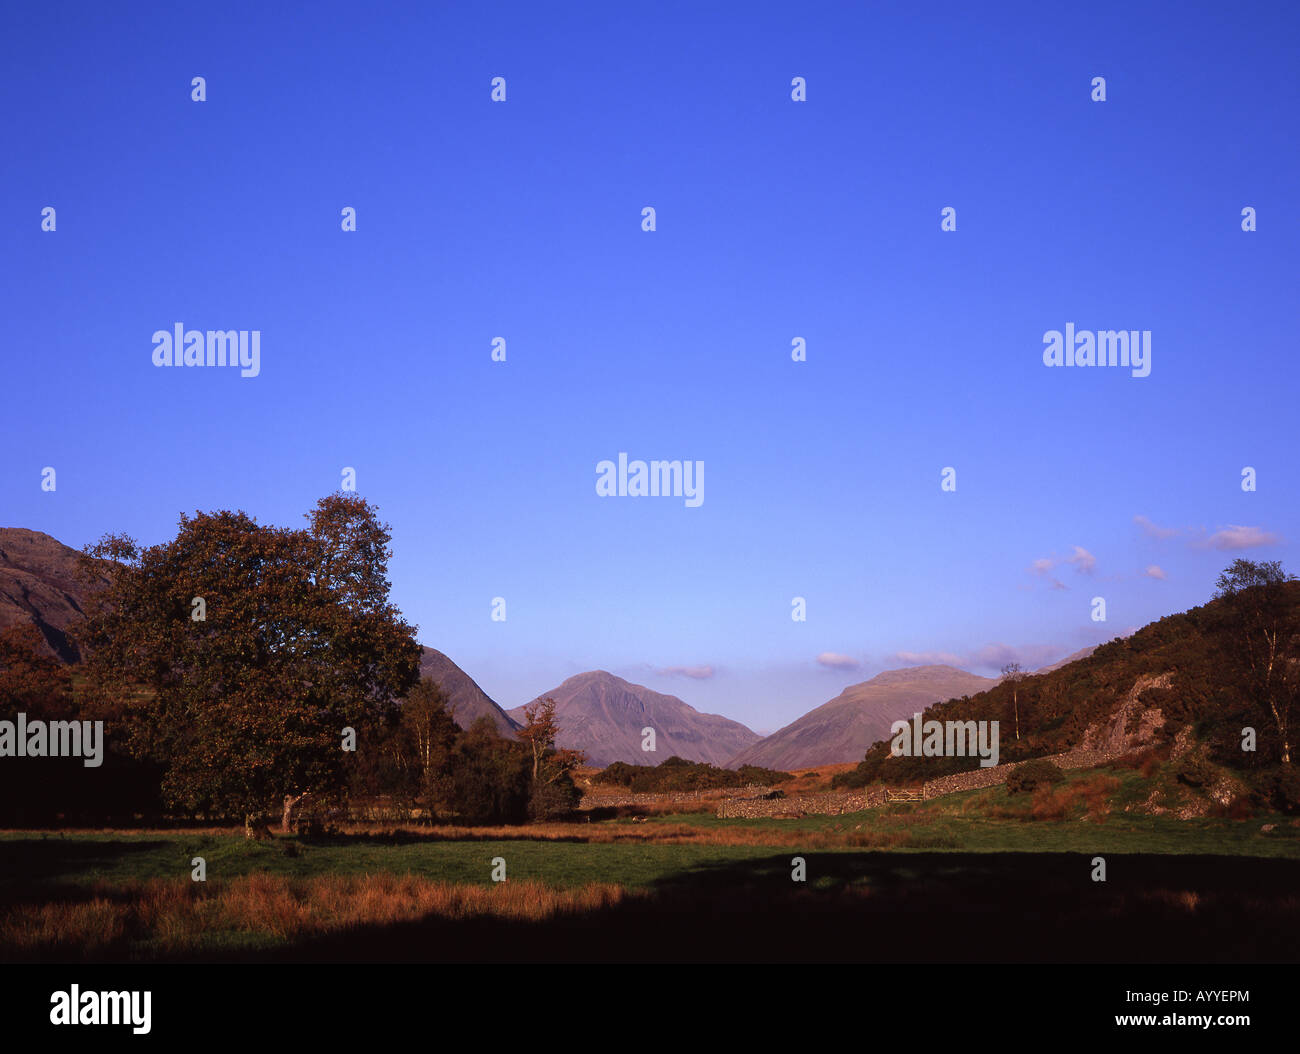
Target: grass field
(970, 877)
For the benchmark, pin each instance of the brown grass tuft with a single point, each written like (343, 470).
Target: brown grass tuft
(179, 915)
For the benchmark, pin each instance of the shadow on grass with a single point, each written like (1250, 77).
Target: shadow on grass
(36, 870)
(888, 907)
(432, 835)
(31, 861)
(894, 907)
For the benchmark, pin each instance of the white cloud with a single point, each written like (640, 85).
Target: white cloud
(1233, 538)
(838, 662)
(989, 657)
(1082, 560)
(1152, 530)
(927, 658)
(1155, 571)
(697, 673)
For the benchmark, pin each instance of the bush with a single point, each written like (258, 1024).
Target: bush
(677, 774)
(490, 777)
(553, 801)
(1032, 775)
(1279, 789)
(1194, 771)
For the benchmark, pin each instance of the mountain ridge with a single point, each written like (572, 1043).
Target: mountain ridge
(603, 715)
(843, 728)
(40, 583)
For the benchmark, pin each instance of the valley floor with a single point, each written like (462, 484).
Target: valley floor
(968, 879)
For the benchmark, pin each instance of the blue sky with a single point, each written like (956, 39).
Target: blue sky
(775, 219)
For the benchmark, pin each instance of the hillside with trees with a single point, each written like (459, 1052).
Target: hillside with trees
(1233, 672)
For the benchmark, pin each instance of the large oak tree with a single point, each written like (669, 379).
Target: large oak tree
(237, 654)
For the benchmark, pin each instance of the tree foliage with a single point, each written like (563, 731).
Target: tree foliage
(678, 774)
(237, 654)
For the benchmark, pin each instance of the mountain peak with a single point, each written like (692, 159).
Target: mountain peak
(843, 729)
(918, 674)
(603, 715)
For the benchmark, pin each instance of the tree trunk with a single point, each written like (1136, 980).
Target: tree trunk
(255, 829)
(290, 800)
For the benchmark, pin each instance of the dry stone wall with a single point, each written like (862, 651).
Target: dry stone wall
(610, 799)
(830, 804)
(996, 774)
(838, 803)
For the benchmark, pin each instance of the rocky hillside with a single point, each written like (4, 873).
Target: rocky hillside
(467, 701)
(39, 583)
(1186, 675)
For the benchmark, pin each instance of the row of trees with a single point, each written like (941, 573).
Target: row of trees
(251, 672)
(425, 759)
(678, 774)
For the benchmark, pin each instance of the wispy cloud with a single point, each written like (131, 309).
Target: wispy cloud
(1152, 530)
(835, 661)
(1155, 571)
(990, 657)
(696, 673)
(1233, 539)
(1030, 656)
(927, 658)
(1080, 559)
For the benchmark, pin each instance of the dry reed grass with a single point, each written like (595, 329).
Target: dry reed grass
(179, 915)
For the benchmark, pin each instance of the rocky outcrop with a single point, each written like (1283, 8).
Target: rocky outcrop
(1132, 725)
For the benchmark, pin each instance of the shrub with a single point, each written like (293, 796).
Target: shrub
(1279, 789)
(553, 801)
(490, 777)
(1194, 771)
(677, 774)
(1032, 775)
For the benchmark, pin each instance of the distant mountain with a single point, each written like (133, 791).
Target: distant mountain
(604, 715)
(466, 699)
(1082, 653)
(39, 584)
(842, 729)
